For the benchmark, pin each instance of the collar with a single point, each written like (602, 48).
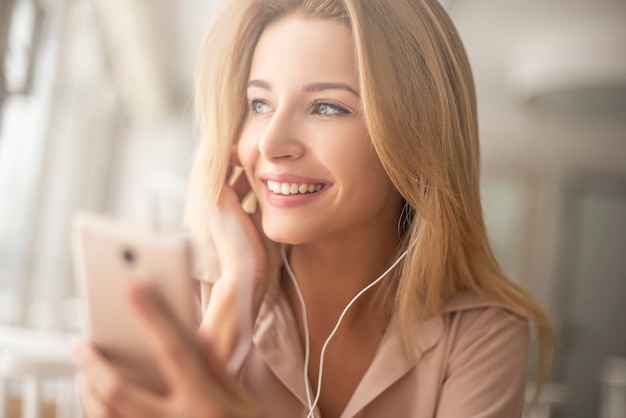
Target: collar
(276, 338)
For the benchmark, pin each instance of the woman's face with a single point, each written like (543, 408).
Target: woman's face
(304, 145)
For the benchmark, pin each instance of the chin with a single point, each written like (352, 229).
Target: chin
(284, 237)
(285, 233)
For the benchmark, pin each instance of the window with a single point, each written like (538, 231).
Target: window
(56, 137)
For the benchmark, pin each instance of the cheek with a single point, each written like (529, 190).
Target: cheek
(376, 178)
(362, 169)
(354, 159)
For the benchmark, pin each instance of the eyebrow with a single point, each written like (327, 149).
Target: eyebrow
(311, 87)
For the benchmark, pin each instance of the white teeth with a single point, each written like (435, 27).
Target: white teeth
(292, 188)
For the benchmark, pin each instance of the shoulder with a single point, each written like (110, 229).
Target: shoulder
(481, 357)
(472, 320)
(473, 301)
(471, 312)
(479, 325)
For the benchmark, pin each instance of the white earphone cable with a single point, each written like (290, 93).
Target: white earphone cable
(306, 328)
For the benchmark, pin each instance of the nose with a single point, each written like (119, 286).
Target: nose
(281, 140)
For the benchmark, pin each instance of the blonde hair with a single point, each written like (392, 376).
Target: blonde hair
(419, 104)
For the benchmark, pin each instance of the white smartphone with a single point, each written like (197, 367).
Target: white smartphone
(107, 255)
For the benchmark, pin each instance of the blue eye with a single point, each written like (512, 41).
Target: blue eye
(329, 109)
(259, 106)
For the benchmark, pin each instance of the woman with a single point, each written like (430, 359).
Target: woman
(374, 290)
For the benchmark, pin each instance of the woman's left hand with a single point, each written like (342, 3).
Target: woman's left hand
(198, 384)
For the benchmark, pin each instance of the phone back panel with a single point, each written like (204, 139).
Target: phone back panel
(108, 255)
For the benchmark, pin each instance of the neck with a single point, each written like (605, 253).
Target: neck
(330, 275)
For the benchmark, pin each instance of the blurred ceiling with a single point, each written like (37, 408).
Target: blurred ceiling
(523, 50)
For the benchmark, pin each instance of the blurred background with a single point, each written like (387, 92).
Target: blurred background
(96, 113)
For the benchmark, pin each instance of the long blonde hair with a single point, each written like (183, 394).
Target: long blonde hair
(419, 103)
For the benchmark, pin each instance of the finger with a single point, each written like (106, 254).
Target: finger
(96, 369)
(92, 406)
(182, 360)
(107, 394)
(139, 403)
(207, 267)
(176, 351)
(236, 400)
(232, 231)
(236, 176)
(216, 368)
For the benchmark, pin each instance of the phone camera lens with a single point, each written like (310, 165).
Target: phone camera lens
(129, 256)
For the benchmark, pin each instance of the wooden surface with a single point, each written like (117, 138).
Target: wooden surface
(15, 409)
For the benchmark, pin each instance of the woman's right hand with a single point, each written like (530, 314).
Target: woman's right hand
(243, 261)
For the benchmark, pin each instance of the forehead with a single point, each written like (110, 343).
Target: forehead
(294, 48)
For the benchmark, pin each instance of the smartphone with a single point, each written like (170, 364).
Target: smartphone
(108, 254)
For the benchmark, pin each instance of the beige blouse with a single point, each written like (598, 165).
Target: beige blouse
(471, 362)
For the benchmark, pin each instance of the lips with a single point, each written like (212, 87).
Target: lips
(286, 189)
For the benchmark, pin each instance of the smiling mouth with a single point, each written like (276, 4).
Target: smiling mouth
(293, 188)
